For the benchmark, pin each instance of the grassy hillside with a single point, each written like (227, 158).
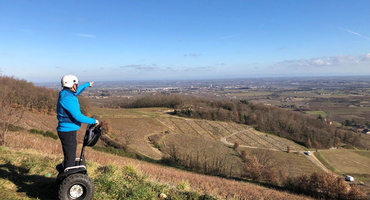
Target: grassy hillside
(133, 127)
(349, 162)
(28, 160)
(296, 126)
(222, 149)
(27, 174)
(195, 139)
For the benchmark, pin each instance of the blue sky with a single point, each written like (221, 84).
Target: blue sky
(41, 40)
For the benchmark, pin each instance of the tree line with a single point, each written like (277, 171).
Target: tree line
(20, 93)
(296, 126)
(18, 96)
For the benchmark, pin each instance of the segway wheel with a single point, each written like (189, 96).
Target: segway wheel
(76, 187)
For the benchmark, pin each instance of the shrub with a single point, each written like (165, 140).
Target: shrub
(183, 185)
(12, 127)
(324, 185)
(45, 134)
(258, 167)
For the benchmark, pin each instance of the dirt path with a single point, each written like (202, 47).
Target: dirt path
(224, 140)
(316, 161)
(311, 157)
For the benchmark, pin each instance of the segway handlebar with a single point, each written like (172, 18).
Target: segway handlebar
(92, 135)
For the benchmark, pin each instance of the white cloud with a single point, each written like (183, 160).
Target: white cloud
(332, 61)
(140, 67)
(365, 57)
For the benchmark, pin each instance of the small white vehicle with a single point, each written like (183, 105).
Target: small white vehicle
(349, 178)
(307, 153)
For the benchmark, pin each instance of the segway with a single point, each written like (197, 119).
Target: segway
(74, 182)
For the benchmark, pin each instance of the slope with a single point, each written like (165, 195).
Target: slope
(49, 150)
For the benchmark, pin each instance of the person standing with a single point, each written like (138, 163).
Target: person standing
(70, 118)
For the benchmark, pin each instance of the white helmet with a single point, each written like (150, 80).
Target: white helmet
(69, 80)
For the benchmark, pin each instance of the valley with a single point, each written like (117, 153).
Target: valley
(215, 155)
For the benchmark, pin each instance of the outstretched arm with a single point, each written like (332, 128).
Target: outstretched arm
(82, 88)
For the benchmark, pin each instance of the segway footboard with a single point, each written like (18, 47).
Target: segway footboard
(81, 169)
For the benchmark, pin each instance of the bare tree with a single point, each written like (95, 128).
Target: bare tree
(236, 145)
(260, 166)
(8, 115)
(10, 111)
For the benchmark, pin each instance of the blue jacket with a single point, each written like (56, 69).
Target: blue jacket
(68, 110)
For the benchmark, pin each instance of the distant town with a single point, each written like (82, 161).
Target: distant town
(345, 100)
(358, 85)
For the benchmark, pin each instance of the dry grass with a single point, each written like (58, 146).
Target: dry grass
(347, 161)
(133, 127)
(134, 133)
(251, 137)
(291, 164)
(223, 188)
(38, 121)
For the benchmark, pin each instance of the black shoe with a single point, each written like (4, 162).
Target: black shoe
(60, 168)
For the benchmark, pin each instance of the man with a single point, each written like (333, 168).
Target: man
(70, 118)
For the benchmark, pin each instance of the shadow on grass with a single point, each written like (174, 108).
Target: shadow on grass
(35, 186)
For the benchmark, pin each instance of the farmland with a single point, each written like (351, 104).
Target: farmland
(336, 98)
(157, 134)
(194, 137)
(160, 120)
(204, 139)
(134, 126)
(348, 162)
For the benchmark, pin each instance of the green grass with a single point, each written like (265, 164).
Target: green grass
(363, 153)
(14, 128)
(114, 182)
(26, 176)
(323, 161)
(124, 153)
(29, 175)
(44, 133)
(347, 162)
(317, 113)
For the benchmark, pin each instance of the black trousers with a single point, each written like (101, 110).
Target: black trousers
(69, 145)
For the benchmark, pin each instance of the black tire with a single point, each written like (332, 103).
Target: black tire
(76, 187)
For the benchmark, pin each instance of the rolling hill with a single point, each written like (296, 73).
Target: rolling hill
(186, 158)
(32, 148)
